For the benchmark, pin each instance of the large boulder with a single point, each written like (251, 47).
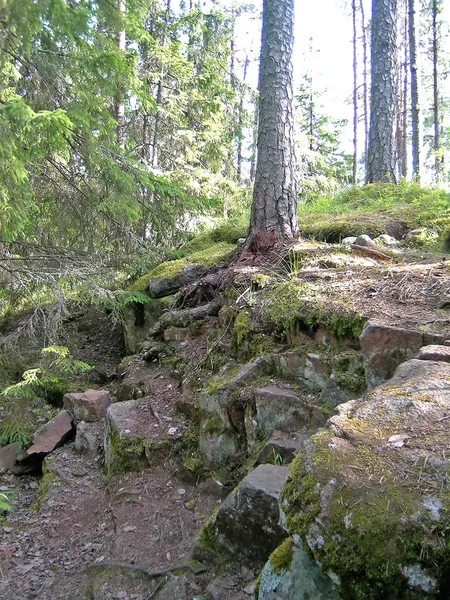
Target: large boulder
(248, 522)
(370, 494)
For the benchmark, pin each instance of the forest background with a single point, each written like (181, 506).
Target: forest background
(129, 125)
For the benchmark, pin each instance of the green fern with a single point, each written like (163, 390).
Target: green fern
(5, 502)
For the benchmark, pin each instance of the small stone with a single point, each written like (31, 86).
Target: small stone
(364, 240)
(348, 241)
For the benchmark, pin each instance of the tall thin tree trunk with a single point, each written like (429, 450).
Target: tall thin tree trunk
(404, 147)
(240, 123)
(365, 86)
(416, 117)
(254, 142)
(274, 206)
(159, 92)
(120, 106)
(381, 151)
(355, 97)
(439, 162)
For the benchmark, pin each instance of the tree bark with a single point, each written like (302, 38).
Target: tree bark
(355, 96)
(274, 206)
(381, 151)
(365, 86)
(416, 118)
(439, 158)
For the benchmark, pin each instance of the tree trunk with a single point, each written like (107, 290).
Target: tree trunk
(381, 151)
(274, 206)
(120, 107)
(439, 158)
(365, 86)
(416, 118)
(355, 96)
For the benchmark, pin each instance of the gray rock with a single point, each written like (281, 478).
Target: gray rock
(133, 436)
(421, 236)
(302, 580)
(364, 240)
(166, 286)
(88, 439)
(348, 241)
(377, 478)
(249, 520)
(386, 240)
(333, 394)
(283, 409)
(282, 447)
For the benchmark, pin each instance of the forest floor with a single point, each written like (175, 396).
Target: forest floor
(51, 544)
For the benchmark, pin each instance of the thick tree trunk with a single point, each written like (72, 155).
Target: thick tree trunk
(416, 117)
(381, 151)
(274, 207)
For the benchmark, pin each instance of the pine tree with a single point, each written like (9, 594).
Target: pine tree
(274, 207)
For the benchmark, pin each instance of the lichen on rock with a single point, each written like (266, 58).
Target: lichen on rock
(369, 495)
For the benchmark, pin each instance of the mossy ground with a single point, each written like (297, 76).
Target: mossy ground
(375, 209)
(372, 520)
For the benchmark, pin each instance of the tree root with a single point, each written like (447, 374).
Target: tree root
(149, 574)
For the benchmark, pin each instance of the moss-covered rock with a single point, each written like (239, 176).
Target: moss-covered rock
(369, 495)
(131, 440)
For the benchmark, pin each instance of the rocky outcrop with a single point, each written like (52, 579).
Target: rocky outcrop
(369, 495)
(385, 347)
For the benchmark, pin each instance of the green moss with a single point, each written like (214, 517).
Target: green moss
(281, 557)
(293, 306)
(242, 328)
(374, 519)
(213, 425)
(125, 453)
(207, 536)
(259, 281)
(217, 253)
(349, 371)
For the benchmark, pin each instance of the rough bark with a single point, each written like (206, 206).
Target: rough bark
(381, 151)
(416, 118)
(274, 207)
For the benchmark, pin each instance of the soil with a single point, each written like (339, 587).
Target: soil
(54, 546)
